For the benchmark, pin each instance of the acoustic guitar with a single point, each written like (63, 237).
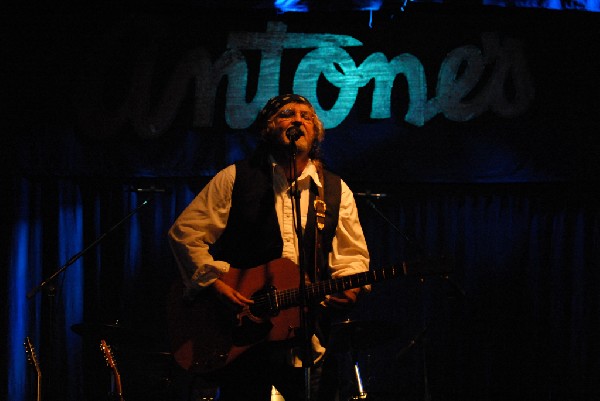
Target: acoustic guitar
(206, 335)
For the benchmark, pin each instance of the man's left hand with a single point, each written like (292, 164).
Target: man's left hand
(342, 300)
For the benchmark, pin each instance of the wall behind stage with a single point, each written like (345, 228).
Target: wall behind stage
(431, 94)
(480, 125)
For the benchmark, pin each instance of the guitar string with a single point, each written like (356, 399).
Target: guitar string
(289, 297)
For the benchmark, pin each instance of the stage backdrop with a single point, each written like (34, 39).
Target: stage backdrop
(480, 126)
(425, 95)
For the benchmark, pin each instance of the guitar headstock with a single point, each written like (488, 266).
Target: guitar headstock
(428, 267)
(112, 363)
(31, 355)
(108, 355)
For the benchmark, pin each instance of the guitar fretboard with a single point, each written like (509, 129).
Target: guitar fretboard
(291, 297)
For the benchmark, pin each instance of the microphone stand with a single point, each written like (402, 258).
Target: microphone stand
(421, 336)
(419, 249)
(295, 193)
(76, 257)
(51, 289)
(368, 195)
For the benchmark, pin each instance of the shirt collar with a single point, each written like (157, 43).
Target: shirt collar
(309, 171)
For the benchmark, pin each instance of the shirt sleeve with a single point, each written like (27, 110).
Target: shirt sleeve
(199, 225)
(349, 254)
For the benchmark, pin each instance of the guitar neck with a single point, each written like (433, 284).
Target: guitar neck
(291, 298)
(39, 387)
(118, 387)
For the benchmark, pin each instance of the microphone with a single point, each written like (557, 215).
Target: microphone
(369, 195)
(150, 189)
(294, 132)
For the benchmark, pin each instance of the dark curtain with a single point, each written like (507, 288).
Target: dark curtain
(517, 318)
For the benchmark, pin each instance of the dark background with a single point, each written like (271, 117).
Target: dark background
(510, 203)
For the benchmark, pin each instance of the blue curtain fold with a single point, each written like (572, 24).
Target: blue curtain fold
(517, 317)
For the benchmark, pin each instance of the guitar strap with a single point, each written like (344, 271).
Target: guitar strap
(327, 196)
(322, 219)
(320, 207)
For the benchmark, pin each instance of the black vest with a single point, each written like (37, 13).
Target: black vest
(252, 236)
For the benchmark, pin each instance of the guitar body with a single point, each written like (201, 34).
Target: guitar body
(207, 335)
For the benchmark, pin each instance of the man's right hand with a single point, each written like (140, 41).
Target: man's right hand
(229, 295)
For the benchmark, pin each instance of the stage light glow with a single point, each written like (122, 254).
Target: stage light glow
(371, 5)
(581, 5)
(284, 6)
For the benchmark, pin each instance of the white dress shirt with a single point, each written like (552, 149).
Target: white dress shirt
(205, 218)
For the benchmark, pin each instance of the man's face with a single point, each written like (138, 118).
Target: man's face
(295, 114)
